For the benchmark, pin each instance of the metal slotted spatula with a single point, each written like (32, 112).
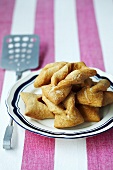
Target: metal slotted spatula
(19, 53)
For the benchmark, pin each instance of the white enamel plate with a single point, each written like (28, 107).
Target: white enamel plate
(16, 107)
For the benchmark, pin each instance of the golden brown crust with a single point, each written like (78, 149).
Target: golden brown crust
(94, 96)
(34, 107)
(87, 97)
(87, 83)
(68, 116)
(46, 73)
(78, 65)
(77, 77)
(107, 98)
(102, 85)
(89, 113)
(61, 74)
(55, 94)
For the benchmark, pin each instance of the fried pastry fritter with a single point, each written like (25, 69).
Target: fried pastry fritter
(86, 97)
(66, 115)
(35, 108)
(77, 77)
(93, 96)
(54, 94)
(46, 73)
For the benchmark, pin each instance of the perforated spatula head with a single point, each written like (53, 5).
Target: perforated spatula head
(20, 52)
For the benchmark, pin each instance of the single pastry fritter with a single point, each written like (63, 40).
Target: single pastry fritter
(66, 115)
(77, 77)
(54, 94)
(93, 96)
(35, 107)
(46, 73)
(86, 97)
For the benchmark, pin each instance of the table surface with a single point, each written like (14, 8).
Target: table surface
(69, 30)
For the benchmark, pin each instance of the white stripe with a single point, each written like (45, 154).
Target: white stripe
(24, 16)
(23, 23)
(104, 17)
(69, 154)
(66, 35)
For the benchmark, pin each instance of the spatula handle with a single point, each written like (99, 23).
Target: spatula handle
(9, 129)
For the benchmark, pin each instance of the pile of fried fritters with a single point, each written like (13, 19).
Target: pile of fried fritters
(69, 95)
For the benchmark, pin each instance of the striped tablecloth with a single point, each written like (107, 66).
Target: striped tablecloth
(69, 30)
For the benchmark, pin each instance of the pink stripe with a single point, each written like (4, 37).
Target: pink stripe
(100, 151)
(38, 150)
(6, 12)
(45, 29)
(100, 147)
(90, 47)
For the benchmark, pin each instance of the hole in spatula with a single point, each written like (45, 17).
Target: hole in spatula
(30, 45)
(17, 44)
(11, 51)
(16, 39)
(17, 55)
(25, 38)
(11, 57)
(17, 50)
(22, 55)
(33, 39)
(8, 40)
(23, 50)
(24, 44)
(28, 56)
(10, 45)
(29, 51)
